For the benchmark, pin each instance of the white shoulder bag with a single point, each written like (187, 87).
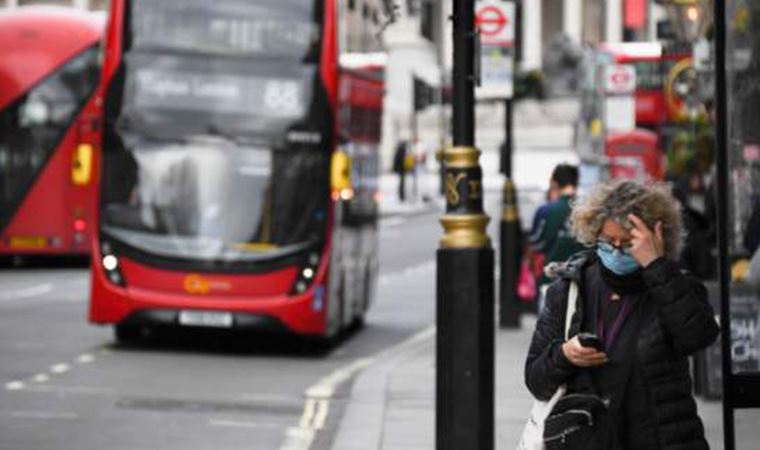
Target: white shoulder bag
(533, 433)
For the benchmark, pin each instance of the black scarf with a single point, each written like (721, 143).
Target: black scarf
(631, 284)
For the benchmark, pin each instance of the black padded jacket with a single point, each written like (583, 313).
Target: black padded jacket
(674, 320)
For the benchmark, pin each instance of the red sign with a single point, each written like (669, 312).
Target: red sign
(491, 21)
(620, 79)
(495, 20)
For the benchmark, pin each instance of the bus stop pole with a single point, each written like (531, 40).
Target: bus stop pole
(510, 239)
(724, 265)
(465, 265)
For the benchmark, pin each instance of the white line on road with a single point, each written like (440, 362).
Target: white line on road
(323, 409)
(308, 413)
(325, 388)
(41, 378)
(85, 358)
(60, 368)
(14, 385)
(34, 291)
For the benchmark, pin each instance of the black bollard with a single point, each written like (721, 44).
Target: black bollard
(510, 258)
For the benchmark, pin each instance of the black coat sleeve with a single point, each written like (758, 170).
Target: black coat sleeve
(546, 367)
(682, 307)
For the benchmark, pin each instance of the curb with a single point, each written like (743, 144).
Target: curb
(363, 421)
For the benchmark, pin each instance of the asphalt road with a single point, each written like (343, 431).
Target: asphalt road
(67, 385)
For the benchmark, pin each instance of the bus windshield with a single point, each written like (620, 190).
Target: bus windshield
(216, 142)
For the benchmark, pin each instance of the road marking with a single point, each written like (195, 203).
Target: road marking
(14, 385)
(317, 404)
(41, 378)
(325, 388)
(85, 358)
(60, 368)
(34, 291)
(323, 409)
(308, 413)
(297, 438)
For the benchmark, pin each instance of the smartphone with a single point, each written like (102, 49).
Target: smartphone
(591, 340)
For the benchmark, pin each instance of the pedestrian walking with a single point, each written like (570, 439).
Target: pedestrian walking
(550, 234)
(637, 320)
(399, 167)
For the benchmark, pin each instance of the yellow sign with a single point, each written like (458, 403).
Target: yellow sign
(81, 165)
(340, 171)
(28, 242)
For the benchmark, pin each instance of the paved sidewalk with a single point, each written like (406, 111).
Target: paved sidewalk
(391, 405)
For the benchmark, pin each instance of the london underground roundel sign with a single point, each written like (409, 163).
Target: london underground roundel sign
(495, 20)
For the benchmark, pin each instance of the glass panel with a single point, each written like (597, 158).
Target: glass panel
(743, 67)
(32, 126)
(214, 200)
(217, 137)
(231, 27)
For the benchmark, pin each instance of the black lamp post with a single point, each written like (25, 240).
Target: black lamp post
(465, 286)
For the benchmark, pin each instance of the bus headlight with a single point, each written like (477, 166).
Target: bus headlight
(307, 274)
(110, 263)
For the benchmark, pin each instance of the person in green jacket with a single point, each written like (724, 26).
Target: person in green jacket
(551, 233)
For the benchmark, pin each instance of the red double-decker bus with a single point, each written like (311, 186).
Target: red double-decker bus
(49, 126)
(239, 174)
(652, 66)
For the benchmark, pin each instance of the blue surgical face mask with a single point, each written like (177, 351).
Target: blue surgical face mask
(618, 261)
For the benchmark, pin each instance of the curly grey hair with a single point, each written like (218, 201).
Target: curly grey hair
(617, 199)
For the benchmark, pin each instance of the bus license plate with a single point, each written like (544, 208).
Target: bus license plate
(205, 319)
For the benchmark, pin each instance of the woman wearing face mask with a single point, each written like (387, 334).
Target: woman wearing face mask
(647, 314)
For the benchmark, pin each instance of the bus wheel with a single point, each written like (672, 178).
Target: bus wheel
(126, 333)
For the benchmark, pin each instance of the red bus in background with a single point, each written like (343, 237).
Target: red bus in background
(652, 66)
(240, 162)
(49, 124)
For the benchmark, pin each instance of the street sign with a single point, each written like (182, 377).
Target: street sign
(496, 20)
(619, 79)
(620, 113)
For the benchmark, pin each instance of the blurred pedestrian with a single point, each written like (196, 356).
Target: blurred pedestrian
(644, 316)
(550, 233)
(399, 167)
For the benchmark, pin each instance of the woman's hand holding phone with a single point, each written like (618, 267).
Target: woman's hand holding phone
(583, 356)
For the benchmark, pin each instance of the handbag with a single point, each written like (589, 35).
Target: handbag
(533, 434)
(526, 284)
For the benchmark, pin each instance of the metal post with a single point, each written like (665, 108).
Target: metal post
(724, 265)
(510, 245)
(465, 302)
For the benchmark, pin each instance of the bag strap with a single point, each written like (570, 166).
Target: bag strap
(572, 301)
